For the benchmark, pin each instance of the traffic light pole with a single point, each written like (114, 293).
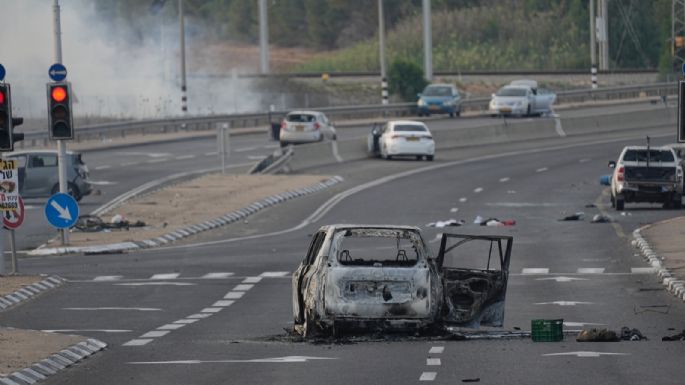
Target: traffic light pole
(61, 144)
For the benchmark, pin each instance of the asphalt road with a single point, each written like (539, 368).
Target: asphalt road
(592, 278)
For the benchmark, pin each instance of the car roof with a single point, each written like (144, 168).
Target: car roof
(46, 152)
(408, 122)
(307, 112)
(516, 86)
(339, 226)
(667, 148)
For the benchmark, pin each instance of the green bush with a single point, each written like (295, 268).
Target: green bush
(405, 78)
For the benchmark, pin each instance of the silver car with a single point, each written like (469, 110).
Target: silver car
(39, 176)
(305, 127)
(522, 98)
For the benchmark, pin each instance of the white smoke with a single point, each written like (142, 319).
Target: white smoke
(111, 76)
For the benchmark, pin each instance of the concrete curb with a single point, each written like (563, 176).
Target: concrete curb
(187, 231)
(59, 361)
(672, 284)
(25, 293)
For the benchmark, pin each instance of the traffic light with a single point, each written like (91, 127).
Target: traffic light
(60, 122)
(5, 118)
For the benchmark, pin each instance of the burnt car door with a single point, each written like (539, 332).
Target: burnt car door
(474, 271)
(300, 277)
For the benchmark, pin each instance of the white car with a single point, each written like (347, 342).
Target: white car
(305, 127)
(522, 98)
(402, 138)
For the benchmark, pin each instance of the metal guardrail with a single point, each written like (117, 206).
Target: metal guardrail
(204, 123)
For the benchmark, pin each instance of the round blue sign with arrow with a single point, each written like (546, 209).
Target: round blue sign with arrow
(57, 72)
(2, 72)
(61, 210)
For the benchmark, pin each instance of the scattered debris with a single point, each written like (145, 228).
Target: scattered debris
(471, 380)
(449, 222)
(597, 335)
(661, 309)
(92, 223)
(626, 214)
(579, 216)
(676, 337)
(590, 205)
(601, 218)
(493, 222)
(628, 334)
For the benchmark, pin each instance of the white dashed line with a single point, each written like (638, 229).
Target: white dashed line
(155, 334)
(542, 169)
(165, 276)
(171, 327)
(590, 270)
(562, 279)
(108, 278)
(478, 190)
(462, 199)
(86, 331)
(243, 287)
(155, 284)
(428, 376)
(436, 350)
(186, 321)
(274, 274)
(216, 275)
(200, 316)
(535, 270)
(252, 280)
(211, 310)
(234, 295)
(114, 308)
(105, 167)
(565, 303)
(223, 303)
(433, 362)
(505, 179)
(182, 157)
(454, 209)
(642, 270)
(138, 342)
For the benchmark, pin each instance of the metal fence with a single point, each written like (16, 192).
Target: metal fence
(203, 123)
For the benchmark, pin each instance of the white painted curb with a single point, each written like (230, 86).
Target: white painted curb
(27, 292)
(673, 285)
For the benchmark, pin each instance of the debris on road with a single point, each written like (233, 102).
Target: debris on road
(601, 218)
(93, 223)
(590, 206)
(597, 335)
(676, 337)
(579, 216)
(493, 221)
(628, 334)
(449, 222)
(471, 380)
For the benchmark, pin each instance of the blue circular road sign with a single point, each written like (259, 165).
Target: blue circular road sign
(61, 210)
(57, 72)
(2, 72)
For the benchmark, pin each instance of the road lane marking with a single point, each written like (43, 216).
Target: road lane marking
(542, 169)
(223, 303)
(454, 209)
(433, 362)
(590, 270)
(562, 279)
(165, 276)
(428, 376)
(437, 350)
(478, 190)
(127, 164)
(252, 280)
(287, 359)
(463, 199)
(138, 342)
(274, 274)
(256, 157)
(243, 287)
(245, 149)
(186, 321)
(155, 284)
(86, 331)
(234, 295)
(182, 157)
(642, 270)
(199, 316)
(103, 167)
(521, 204)
(155, 334)
(216, 275)
(156, 160)
(565, 303)
(584, 354)
(113, 308)
(535, 270)
(505, 179)
(211, 310)
(171, 327)
(108, 278)
(557, 125)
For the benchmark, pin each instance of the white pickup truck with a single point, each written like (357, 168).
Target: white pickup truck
(647, 174)
(522, 98)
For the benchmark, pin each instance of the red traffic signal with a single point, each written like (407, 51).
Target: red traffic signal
(58, 94)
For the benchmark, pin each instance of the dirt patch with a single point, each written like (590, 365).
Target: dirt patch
(20, 349)
(11, 283)
(189, 203)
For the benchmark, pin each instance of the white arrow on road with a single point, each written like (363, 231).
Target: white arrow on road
(287, 359)
(63, 211)
(565, 303)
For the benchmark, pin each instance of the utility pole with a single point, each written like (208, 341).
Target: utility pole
(263, 37)
(593, 45)
(603, 35)
(381, 43)
(182, 29)
(427, 41)
(61, 144)
(678, 33)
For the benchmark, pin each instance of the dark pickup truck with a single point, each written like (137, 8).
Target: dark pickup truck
(647, 174)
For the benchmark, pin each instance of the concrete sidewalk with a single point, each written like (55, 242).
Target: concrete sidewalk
(663, 245)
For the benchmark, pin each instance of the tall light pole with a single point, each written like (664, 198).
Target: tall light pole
(427, 41)
(61, 144)
(603, 37)
(381, 43)
(182, 29)
(593, 45)
(263, 37)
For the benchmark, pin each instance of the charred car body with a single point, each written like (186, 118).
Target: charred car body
(380, 277)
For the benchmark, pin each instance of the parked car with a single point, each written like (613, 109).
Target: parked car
(522, 98)
(647, 174)
(401, 138)
(439, 99)
(384, 277)
(39, 177)
(305, 127)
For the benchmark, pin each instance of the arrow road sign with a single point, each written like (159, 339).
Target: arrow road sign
(57, 72)
(61, 210)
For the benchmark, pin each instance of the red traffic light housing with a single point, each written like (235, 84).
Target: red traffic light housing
(7, 123)
(60, 122)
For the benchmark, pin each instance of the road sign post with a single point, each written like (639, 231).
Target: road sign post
(12, 220)
(681, 101)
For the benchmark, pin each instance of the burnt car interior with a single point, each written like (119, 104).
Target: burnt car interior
(475, 290)
(378, 248)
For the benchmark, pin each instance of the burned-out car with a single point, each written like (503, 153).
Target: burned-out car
(382, 277)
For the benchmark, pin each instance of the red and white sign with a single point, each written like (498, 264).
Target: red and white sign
(14, 218)
(9, 185)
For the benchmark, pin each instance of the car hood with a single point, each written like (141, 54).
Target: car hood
(508, 99)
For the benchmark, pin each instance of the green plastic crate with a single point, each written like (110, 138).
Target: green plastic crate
(547, 330)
